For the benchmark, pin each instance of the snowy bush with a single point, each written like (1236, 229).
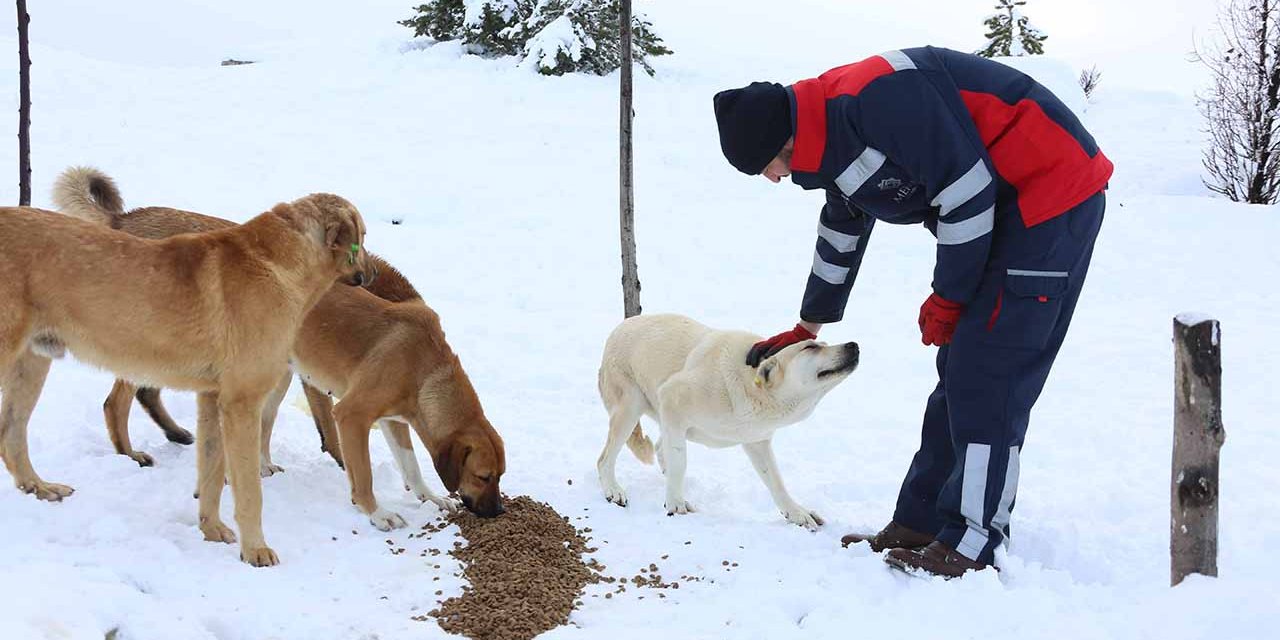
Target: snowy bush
(552, 36)
(1009, 33)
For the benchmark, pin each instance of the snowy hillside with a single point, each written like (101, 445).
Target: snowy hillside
(503, 183)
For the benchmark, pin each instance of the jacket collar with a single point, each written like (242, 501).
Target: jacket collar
(809, 110)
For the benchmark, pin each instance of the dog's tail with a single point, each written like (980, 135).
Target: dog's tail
(88, 194)
(641, 445)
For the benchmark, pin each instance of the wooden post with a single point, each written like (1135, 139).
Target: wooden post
(24, 107)
(630, 272)
(1197, 437)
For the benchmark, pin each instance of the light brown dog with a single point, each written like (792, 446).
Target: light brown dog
(385, 355)
(213, 312)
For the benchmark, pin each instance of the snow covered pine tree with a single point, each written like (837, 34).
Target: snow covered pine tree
(555, 37)
(1009, 33)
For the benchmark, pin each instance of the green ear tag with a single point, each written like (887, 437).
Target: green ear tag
(355, 249)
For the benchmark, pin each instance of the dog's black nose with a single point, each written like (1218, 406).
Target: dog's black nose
(852, 353)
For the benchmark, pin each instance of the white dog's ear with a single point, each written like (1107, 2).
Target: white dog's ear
(769, 374)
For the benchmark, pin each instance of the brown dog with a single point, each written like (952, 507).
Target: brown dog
(384, 354)
(212, 312)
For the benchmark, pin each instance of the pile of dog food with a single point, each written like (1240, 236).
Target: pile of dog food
(526, 572)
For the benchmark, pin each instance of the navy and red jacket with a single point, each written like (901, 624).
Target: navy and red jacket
(957, 142)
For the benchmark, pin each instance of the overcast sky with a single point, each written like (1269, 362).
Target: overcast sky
(1137, 43)
(1141, 42)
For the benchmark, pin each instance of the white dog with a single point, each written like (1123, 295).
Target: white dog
(694, 381)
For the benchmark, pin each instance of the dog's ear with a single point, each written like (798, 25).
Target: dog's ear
(331, 230)
(337, 232)
(340, 232)
(449, 461)
(769, 374)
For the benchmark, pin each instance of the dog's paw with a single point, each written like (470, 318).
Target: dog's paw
(267, 469)
(49, 491)
(678, 506)
(804, 517)
(260, 557)
(215, 531)
(143, 459)
(616, 495)
(445, 504)
(179, 436)
(386, 520)
(425, 494)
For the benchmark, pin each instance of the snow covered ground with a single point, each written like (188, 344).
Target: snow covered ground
(505, 183)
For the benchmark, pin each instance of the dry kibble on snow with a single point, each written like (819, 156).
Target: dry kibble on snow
(525, 569)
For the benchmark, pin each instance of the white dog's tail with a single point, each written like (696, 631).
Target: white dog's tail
(88, 194)
(641, 445)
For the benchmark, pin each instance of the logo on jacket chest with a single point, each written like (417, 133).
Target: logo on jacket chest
(900, 190)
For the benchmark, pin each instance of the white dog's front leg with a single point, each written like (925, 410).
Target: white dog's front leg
(761, 454)
(407, 463)
(674, 446)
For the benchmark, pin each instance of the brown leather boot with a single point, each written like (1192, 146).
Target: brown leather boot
(936, 559)
(892, 536)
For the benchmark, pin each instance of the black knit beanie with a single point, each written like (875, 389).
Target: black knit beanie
(755, 123)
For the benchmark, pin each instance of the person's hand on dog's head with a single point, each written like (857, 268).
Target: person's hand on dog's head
(765, 349)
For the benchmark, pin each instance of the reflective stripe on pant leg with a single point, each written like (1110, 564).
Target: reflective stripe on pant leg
(973, 498)
(1001, 519)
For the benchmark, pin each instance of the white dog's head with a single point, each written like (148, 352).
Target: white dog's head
(807, 369)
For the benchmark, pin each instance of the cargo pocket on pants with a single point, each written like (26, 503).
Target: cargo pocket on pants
(1027, 308)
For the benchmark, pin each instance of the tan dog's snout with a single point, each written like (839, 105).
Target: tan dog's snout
(358, 279)
(489, 505)
(365, 270)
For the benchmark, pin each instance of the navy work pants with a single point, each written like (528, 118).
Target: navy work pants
(963, 481)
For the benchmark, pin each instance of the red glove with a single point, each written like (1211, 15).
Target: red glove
(938, 318)
(765, 348)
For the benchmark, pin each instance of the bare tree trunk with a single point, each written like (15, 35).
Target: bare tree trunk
(24, 107)
(1197, 438)
(630, 272)
(1265, 115)
(1242, 109)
